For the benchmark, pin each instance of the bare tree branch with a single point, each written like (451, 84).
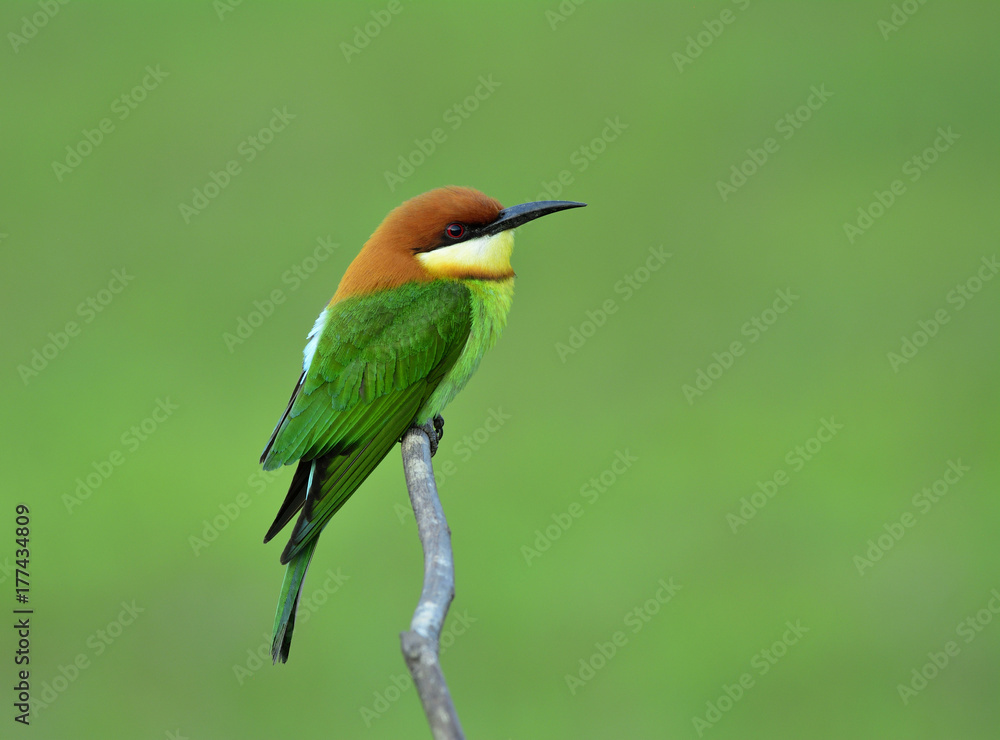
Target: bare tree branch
(422, 643)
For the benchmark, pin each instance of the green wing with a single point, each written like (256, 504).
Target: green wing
(376, 362)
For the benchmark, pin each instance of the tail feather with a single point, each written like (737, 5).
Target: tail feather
(288, 602)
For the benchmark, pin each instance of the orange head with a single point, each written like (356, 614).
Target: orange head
(452, 232)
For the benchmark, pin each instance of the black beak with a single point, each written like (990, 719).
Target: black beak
(514, 216)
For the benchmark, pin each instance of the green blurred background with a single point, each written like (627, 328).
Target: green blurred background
(564, 624)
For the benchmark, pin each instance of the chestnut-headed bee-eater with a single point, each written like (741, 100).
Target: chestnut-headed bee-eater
(412, 317)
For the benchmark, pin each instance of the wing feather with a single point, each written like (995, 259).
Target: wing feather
(377, 361)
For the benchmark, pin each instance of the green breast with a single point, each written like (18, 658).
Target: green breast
(490, 303)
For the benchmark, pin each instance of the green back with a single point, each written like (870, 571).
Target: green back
(377, 360)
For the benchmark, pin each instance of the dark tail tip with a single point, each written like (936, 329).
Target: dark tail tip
(287, 554)
(282, 643)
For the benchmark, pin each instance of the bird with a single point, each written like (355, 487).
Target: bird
(413, 315)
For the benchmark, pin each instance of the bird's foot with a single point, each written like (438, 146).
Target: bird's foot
(434, 429)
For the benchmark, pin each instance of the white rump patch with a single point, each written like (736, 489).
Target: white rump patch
(310, 350)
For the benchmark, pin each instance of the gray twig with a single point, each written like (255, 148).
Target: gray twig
(422, 643)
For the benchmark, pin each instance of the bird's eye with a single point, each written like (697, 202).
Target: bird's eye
(455, 231)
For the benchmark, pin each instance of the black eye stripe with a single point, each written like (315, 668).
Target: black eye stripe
(453, 233)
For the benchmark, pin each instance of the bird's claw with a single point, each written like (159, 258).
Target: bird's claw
(434, 430)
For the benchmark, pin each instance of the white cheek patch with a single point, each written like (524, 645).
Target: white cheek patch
(484, 254)
(310, 350)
